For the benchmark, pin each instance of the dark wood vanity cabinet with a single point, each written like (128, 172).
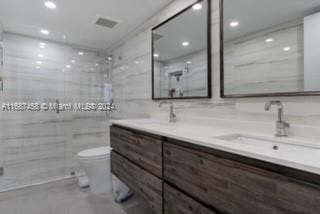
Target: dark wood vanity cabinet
(136, 160)
(141, 148)
(235, 187)
(175, 202)
(148, 186)
(176, 177)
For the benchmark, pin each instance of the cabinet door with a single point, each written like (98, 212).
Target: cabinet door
(234, 187)
(148, 186)
(143, 150)
(175, 202)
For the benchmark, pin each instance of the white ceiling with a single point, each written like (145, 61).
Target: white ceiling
(189, 26)
(74, 19)
(256, 15)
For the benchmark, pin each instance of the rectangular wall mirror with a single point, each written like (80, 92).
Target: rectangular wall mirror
(181, 67)
(270, 48)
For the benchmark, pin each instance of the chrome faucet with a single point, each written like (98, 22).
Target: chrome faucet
(281, 124)
(172, 115)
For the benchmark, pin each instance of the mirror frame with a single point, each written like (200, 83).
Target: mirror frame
(223, 95)
(209, 66)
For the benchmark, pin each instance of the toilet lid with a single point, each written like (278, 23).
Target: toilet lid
(100, 151)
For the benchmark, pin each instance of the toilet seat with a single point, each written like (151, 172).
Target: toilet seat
(95, 153)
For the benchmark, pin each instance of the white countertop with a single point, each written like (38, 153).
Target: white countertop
(303, 154)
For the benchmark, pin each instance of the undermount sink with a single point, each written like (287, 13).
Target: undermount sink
(258, 143)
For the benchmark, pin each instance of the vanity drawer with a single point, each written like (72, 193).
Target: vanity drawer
(144, 150)
(235, 187)
(148, 186)
(175, 202)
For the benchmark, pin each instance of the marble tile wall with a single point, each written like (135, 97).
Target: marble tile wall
(41, 146)
(131, 80)
(132, 87)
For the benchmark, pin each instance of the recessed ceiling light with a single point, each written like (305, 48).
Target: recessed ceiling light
(44, 31)
(68, 66)
(39, 62)
(80, 53)
(185, 44)
(40, 55)
(287, 48)
(109, 58)
(38, 67)
(96, 64)
(137, 62)
(197, 6)
(269, 40)
(156, 55)
(234, 24)
(73, 61)
(189, 62)
(50, 5)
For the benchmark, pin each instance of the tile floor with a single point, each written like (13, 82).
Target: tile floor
(65, 197)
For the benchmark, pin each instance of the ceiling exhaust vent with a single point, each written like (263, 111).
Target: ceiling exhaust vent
(104, 22)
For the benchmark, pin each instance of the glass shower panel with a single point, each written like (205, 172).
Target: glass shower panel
(84, 84)
(34, 142)
(41, 146)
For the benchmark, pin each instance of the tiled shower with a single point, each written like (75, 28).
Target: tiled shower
(38, 147)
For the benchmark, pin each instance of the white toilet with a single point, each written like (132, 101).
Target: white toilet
(96, 163)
